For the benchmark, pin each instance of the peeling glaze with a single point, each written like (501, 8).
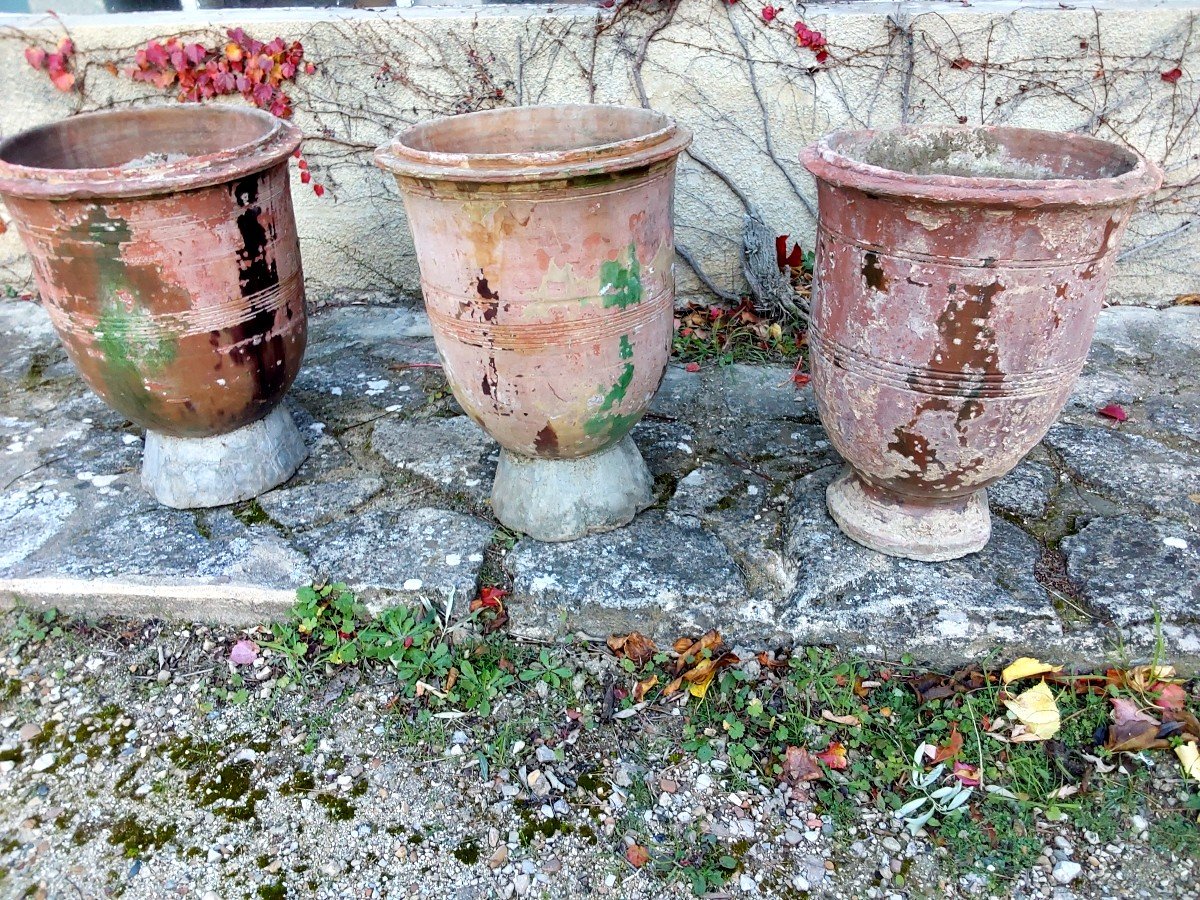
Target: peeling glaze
(547, 274)
(177, 292)
(953, 314)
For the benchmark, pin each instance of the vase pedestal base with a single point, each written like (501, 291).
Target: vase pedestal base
(900, 526)
(192, 473)
(565, 499)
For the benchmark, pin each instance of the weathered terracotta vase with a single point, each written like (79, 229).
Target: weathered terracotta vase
(165, 251)
(545, 242)
(959, 273)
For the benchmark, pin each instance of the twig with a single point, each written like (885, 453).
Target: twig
(686, 256)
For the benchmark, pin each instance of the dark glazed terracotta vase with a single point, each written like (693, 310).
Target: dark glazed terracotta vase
(165, 252)
(959, 273)
(545, 241)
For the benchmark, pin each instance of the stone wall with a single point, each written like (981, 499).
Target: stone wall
(1122, 70)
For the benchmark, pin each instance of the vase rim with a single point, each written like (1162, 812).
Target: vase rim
(534, 143)
(95, 151)
(983, 165)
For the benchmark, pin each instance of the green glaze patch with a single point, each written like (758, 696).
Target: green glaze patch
(621, 285)
(130, 339)
(133, 344)
(615, 424)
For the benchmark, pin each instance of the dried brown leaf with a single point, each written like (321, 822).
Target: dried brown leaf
(799, 766)
(639, 689)
(634, 646)
(828, 716)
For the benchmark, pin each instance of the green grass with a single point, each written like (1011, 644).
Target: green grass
(716, 335)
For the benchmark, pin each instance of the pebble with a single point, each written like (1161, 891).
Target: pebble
(891, 844)
(1066, 871)
(43, 762)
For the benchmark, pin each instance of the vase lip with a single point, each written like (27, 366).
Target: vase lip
(622, 138)
(261, 141)
(1083, 170)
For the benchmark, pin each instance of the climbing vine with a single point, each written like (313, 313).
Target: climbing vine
(243, 66)
(753, 81)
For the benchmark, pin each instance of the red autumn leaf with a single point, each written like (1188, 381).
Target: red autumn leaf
(36, 57)
(154, 54)
(834, 756)
(1170, 696)
(799, 766)
(692, 367)
(309, 68)
(63, 80)
(1113, 411)
(794, 260)
(961, 63)
(490, 595)
(305, 177)
(769, 13)
(319, 189)
(1172, 75)
(812, 40)
(951, 748)
(637, 855)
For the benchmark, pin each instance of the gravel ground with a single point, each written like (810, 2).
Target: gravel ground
(124, 773)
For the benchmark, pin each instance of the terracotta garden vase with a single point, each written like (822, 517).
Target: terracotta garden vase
(164, 248)
(959, 273)
(544, 237)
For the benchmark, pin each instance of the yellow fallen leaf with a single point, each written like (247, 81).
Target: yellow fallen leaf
(700, 688)
(1026, 667)
(1189, 759)
(1037, 711)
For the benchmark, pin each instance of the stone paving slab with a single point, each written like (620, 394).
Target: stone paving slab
(1096, 535)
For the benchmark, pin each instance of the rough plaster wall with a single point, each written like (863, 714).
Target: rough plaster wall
(752, 97)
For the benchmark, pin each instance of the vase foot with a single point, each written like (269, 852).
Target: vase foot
(191, 473)
(565, 499)
(899, 526)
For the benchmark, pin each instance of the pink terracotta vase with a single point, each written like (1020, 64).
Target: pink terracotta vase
(165, 253)
(959, 273)
(545, 242)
